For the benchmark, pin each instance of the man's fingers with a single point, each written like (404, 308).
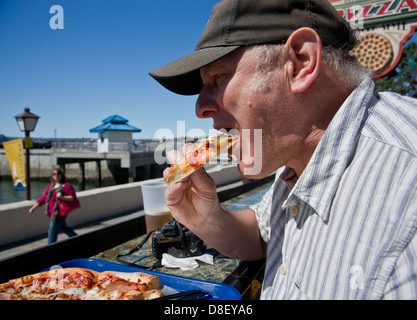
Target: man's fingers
(203, 182)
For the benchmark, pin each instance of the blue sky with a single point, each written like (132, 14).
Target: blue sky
(97, 65)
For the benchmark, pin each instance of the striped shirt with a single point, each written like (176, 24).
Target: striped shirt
(346, 228)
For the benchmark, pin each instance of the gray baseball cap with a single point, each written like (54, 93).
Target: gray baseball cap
(237, 23)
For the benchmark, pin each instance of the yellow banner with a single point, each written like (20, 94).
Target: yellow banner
(14, 153)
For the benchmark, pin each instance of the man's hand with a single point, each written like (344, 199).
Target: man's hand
(193, 200)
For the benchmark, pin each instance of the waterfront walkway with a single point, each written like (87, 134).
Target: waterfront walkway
(25, 246)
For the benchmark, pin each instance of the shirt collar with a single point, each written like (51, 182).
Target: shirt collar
(320, 179)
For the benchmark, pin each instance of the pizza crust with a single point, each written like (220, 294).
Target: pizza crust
(152, 282)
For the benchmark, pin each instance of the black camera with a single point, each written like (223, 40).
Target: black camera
(177, 240)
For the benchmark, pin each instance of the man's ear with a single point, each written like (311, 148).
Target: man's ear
(304, 49)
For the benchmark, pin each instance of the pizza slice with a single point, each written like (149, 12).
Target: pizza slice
(72, 281)
(112, 285)
(82, 284)
(204, 151)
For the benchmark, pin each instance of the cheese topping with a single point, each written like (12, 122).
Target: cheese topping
(77, 286)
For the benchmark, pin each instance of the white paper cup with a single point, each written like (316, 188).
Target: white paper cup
(154, 202)
(154, 205)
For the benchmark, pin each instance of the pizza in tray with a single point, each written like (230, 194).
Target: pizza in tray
(203, 152)
(82, 284)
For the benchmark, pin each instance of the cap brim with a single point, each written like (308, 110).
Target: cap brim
(182, 76)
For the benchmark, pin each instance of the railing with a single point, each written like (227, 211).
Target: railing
(75, 145)
(136, 146)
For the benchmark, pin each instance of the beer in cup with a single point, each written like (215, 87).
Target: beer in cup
(154, 205)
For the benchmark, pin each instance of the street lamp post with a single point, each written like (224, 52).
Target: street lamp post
(27, 123)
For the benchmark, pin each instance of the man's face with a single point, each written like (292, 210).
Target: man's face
(231, 97)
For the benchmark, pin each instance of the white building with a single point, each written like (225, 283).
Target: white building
(115, 134)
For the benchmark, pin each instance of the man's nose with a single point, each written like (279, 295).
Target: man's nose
(206, 105)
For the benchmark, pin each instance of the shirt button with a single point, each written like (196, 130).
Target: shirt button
(283, 269)
(294, 210)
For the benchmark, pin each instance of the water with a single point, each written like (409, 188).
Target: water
(37, 187)
(245, 200)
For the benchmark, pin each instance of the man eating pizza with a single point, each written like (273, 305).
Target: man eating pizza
(340, 220)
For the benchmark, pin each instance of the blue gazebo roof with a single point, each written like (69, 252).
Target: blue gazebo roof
(115, 123)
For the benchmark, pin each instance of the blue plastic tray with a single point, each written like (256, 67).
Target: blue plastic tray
(218, 291)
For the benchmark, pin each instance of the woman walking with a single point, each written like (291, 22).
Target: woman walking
(60, 200)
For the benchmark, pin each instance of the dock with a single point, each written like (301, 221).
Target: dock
(126, 164)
